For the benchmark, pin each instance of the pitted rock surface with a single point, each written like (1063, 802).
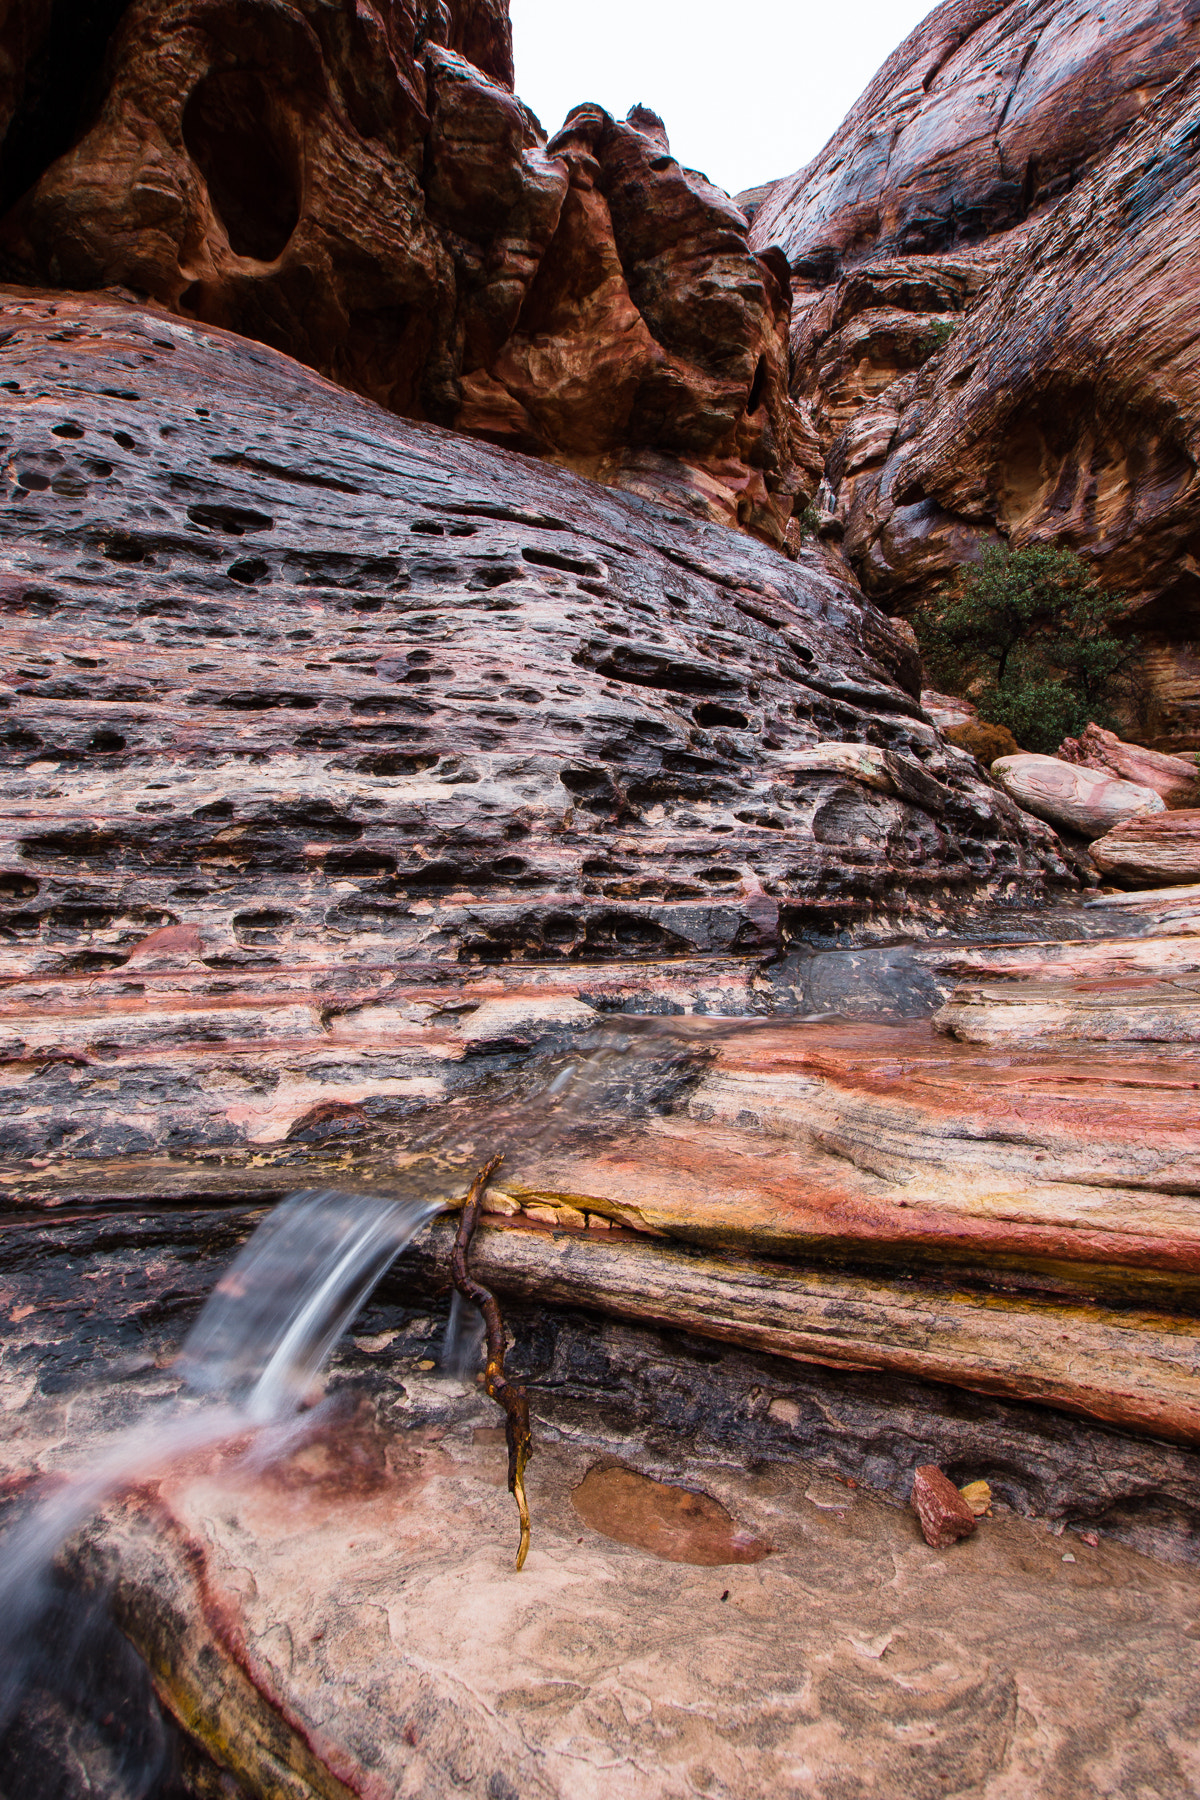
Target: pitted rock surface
(289, 673)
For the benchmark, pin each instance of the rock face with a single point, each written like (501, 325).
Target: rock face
(1074, 797)
(986, 113)
(288, 673)
(994, 261)
(364, 192)
(1175, 778)
(1152, 852)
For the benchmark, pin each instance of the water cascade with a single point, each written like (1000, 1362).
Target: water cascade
(249, 1366)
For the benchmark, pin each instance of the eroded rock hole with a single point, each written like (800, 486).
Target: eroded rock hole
(710, 715)
(235, 136)
(758, 386)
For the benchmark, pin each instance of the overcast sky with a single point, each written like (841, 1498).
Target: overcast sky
(749, 91)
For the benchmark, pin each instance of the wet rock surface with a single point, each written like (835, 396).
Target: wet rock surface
(365, 192)
(349, 1615)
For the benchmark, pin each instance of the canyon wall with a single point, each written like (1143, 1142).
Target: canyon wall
(994, 262)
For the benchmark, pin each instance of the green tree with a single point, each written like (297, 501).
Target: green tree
(1028, 635)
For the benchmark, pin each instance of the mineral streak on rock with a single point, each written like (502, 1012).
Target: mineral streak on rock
(944, 1514)
(363, 190)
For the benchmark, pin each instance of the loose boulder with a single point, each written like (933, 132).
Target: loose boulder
(944, 1515)
(1175, 778)
(1073, 798)
(1152, 852)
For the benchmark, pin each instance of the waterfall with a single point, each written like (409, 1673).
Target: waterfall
(248, 1364)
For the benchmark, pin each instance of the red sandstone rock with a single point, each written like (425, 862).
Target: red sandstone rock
(364, 191)
(1061, 409)
(1152, 852)
(986, 113)
(945, 1516)
(1175, 778)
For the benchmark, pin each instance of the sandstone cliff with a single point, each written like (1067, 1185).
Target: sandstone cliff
(360, 188)
(994, 260)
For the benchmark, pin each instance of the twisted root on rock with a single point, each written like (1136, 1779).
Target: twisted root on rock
(505, 1393)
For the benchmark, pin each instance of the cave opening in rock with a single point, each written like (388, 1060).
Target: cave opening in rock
(56, 96)
(235, 136)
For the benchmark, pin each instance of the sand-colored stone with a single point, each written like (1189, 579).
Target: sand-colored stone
(1148, 853)
(1075, 798)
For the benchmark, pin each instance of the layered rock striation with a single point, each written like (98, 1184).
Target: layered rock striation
(364, 191)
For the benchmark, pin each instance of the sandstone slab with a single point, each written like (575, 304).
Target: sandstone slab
(1145, 854)
(1175, 778)
(1130, 1009)
(1076, 798)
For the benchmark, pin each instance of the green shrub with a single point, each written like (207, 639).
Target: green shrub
(809, 520)
(939, 335)
(1028, 635)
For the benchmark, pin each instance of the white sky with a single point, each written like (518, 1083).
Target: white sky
(749, 91)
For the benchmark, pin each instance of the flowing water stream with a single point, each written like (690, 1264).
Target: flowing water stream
(249, 1365)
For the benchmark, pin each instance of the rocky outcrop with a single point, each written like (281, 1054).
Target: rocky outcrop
(358, 772)
(983, 118)
(987, 113)
(1060, 410)
(364, 192)
(1175, 779)
(993, 261)
(285, 672)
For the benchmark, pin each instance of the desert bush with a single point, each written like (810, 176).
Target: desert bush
(1028, 635)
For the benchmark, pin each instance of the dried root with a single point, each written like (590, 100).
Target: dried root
(505, 1393)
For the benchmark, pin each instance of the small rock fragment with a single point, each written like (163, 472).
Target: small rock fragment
(978, 1496)
(500, 1203)
(944, 1515)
